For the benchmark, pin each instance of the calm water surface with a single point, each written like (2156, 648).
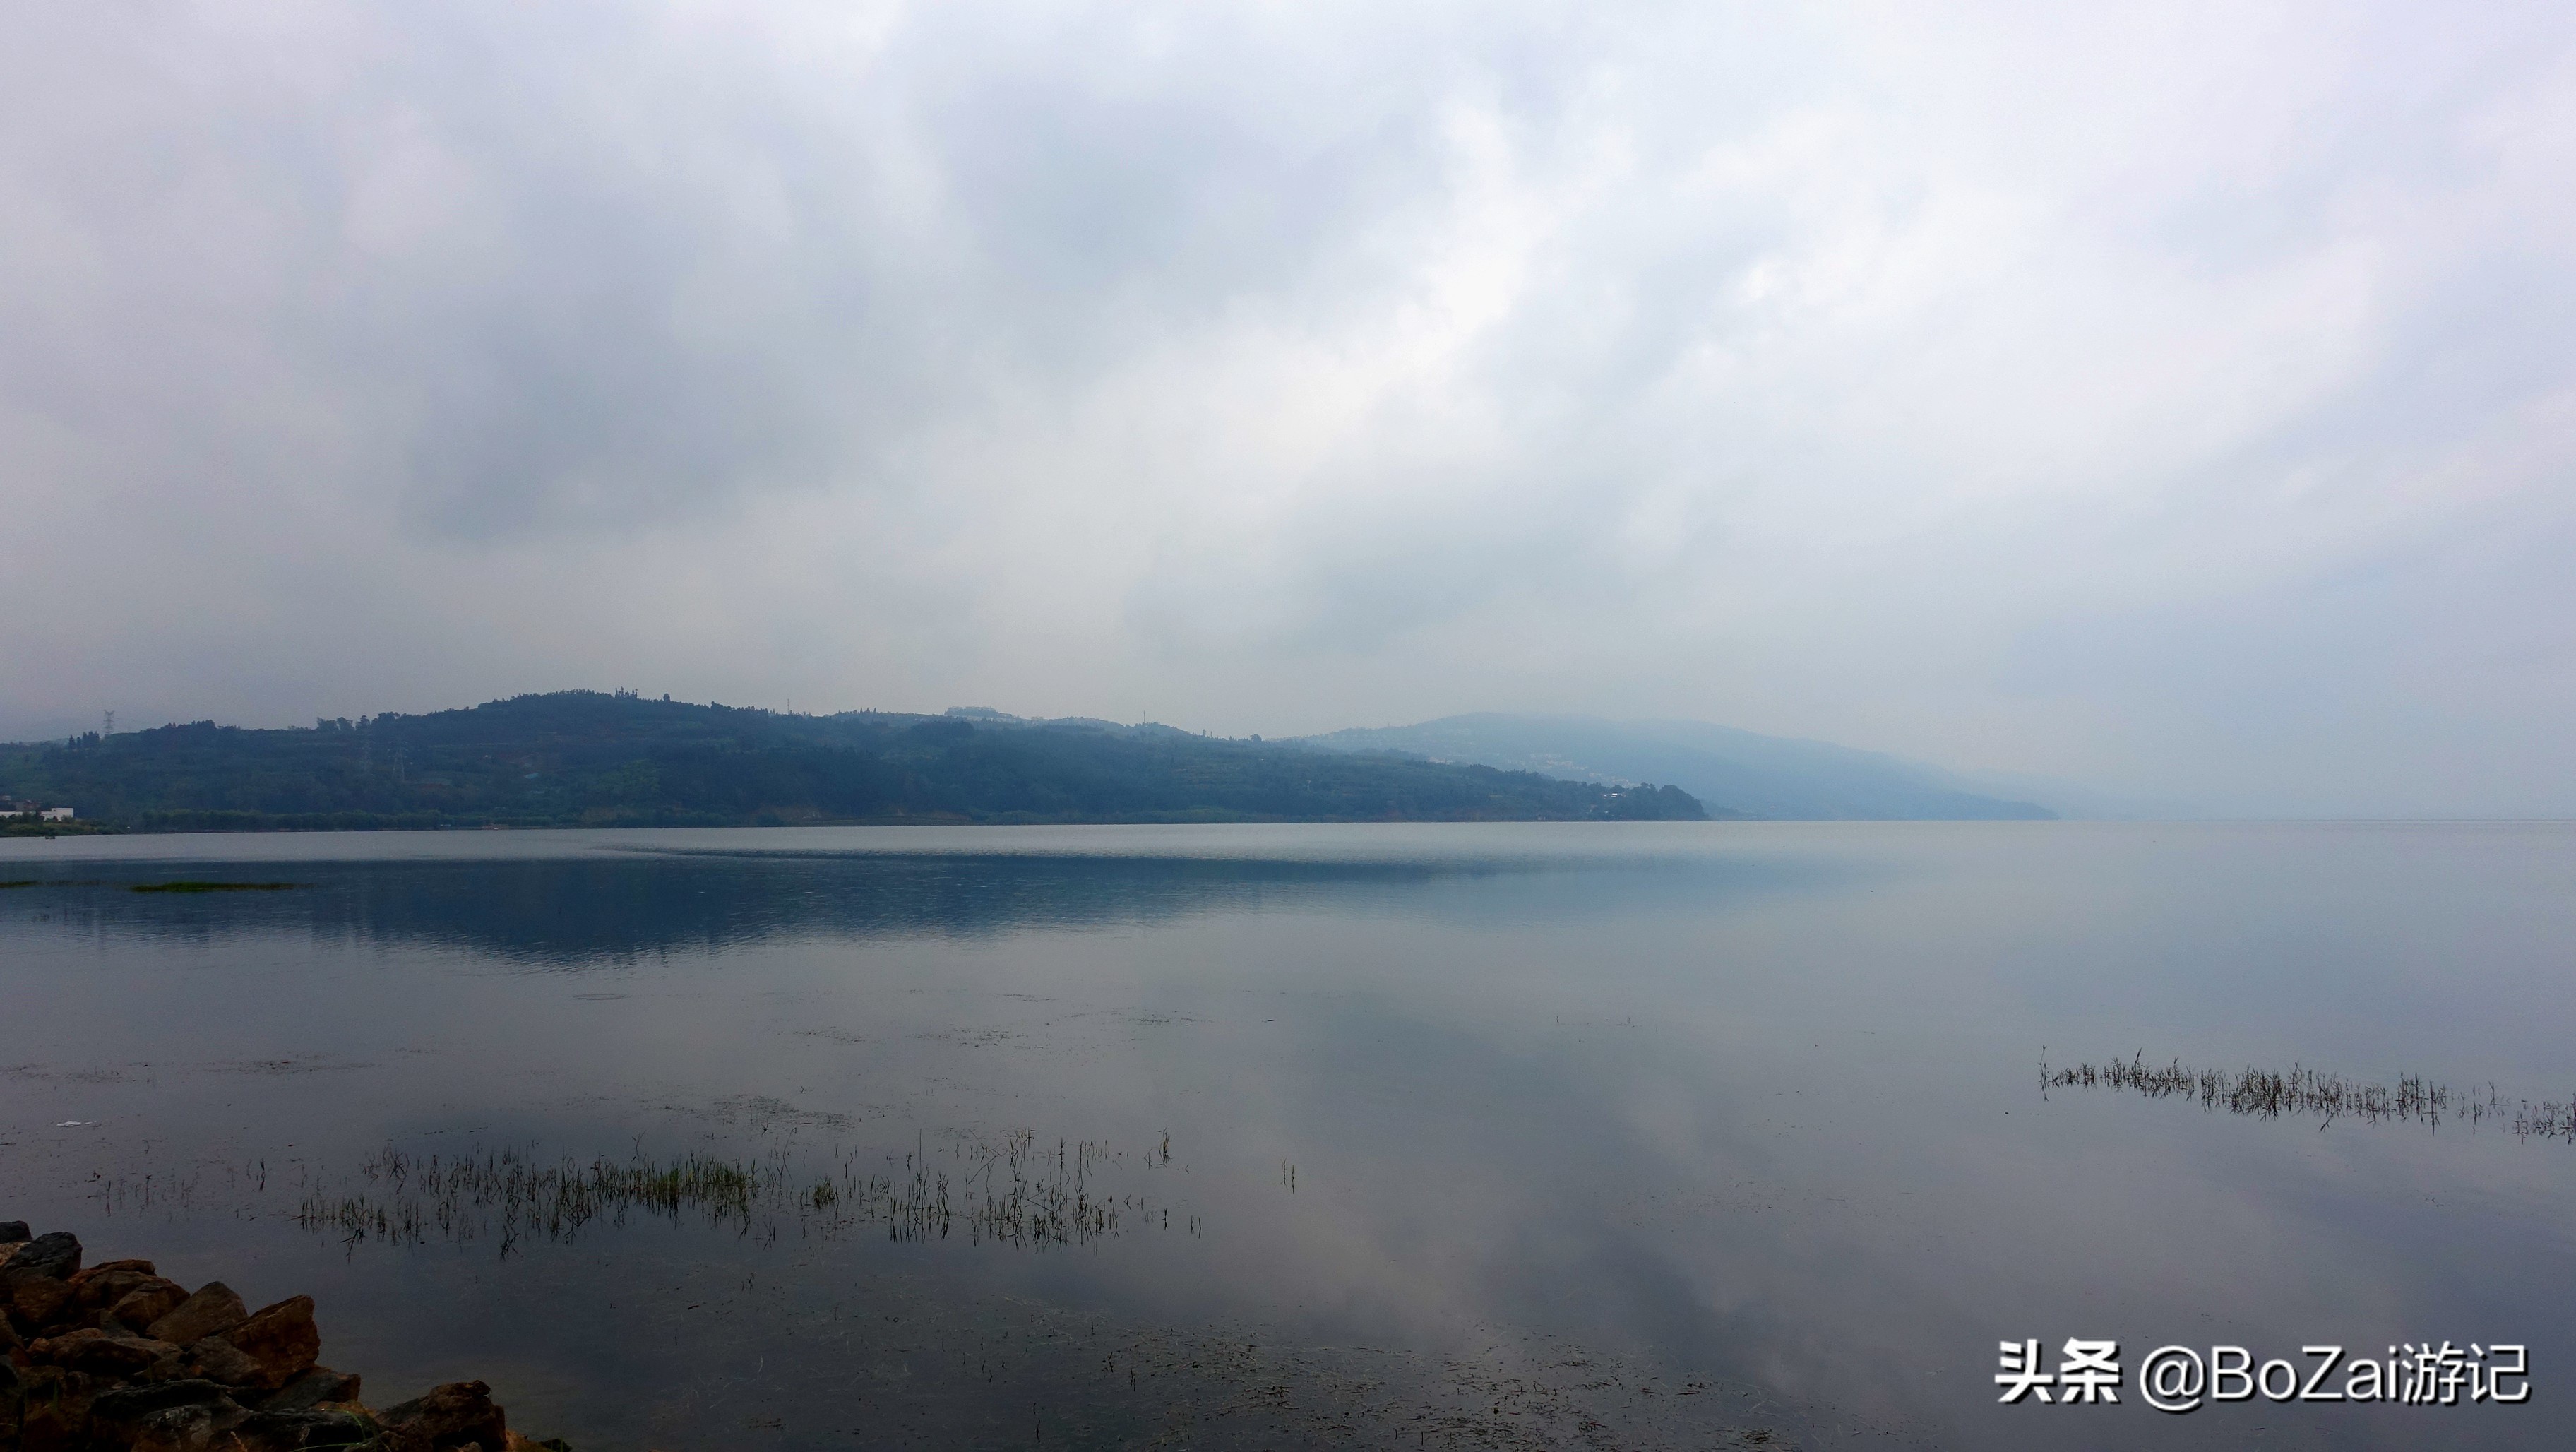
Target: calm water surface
(1637, 1136)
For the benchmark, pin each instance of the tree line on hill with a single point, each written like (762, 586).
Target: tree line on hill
(588, 758)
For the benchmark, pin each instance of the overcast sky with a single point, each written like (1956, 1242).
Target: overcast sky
(2177, 399)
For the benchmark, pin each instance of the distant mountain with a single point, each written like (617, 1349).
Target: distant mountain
(1733, 772)
(583, 758)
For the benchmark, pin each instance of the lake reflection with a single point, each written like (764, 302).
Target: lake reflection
(1639, 1135)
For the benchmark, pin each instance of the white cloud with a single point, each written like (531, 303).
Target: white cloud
(2092, 391)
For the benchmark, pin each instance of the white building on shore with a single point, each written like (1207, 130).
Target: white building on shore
(21, 807)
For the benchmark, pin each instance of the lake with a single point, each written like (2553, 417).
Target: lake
(1547, 1135)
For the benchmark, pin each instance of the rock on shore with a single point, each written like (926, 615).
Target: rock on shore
(114, 1356)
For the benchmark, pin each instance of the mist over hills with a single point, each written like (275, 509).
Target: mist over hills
(1746, 773)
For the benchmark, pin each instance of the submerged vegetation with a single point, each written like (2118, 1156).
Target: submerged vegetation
(213, 886)
(1005, 1190)
(2302, 1091)
(943, 1364)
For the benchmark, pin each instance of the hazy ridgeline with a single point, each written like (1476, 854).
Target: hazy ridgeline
(583, 758)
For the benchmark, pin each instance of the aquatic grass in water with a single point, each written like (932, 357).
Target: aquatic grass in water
(2270, 1094)
(1089, 1379)
(1005, 1191)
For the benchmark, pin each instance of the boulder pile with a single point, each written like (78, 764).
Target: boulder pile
(115, 1356)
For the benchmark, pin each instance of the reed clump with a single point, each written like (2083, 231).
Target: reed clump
(1008, 1190)
(2299, 1090)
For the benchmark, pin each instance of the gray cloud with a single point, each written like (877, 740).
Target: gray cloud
(2170, 398)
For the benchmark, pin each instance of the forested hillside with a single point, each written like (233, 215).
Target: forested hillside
(584, 758)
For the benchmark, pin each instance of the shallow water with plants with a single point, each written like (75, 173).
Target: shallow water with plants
(1568, 1135)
